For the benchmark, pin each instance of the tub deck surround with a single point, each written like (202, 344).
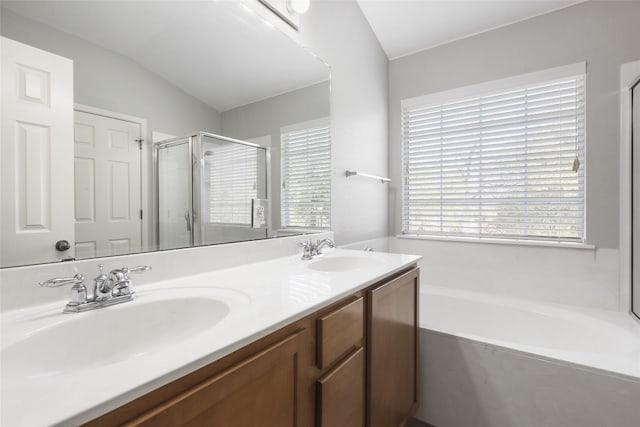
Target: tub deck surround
(262, 297)
(557, 275)
(602, 341)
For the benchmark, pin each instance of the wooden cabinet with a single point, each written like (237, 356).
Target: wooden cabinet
(340, 331)
(341, 393)
(260, 391)
(351, 364)
(392, 351)
(268, 383)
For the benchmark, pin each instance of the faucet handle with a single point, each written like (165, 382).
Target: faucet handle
(61, 281)
(138, 269)
(307, 249)
(78, 290)
(123, 273)
(101, 276)
(119, 282)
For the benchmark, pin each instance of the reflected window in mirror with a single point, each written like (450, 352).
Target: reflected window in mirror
(230, 184)
(306, 175)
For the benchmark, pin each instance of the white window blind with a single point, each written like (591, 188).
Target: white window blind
(231, 183)
(498, 165)
(306, 175)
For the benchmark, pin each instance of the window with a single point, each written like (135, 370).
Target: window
(306, 175)
(498, 160)
(231, 183)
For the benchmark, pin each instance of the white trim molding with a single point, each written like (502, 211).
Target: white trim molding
(495, 241)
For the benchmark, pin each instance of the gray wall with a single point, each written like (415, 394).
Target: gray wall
(338, 32)
(107, 80)
(265, 118)
(605, 34)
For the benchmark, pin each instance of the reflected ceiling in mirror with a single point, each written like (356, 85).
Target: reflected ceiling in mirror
(142, 72)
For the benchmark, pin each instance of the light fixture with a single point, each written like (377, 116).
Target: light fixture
(298, 6)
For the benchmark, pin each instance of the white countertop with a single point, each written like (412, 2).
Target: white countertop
(262, 297)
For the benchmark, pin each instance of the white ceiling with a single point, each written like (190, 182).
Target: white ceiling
(408, 26)
(216, 51)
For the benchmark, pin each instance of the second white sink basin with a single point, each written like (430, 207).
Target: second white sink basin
(342, 263)
(114, 334)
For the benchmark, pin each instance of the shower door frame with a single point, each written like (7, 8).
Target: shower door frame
(196, 172)
(173, 142)
(635, 197)
(629, 77)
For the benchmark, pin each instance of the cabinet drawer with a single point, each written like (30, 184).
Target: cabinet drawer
(341, 394)
(339, 332)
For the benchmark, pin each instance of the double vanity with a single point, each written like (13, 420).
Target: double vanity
(329, 341)
(230, 327)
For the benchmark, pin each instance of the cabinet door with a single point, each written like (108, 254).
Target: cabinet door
(341, 394)
(393, 344)
(260, 391)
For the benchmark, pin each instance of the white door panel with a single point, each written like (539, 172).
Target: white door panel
(36, 154)
(107, 190)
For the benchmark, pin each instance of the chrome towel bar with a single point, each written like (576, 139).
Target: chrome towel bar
(366, 175)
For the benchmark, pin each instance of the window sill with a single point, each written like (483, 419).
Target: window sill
(494, 241)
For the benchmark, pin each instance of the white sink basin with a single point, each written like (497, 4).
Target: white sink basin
(156, 320)
(342, 263)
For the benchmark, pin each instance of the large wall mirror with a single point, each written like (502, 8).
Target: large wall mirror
(132, 126)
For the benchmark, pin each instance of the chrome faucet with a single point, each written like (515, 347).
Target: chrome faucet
(117, 283)
(111, 289)
(311, 249)
(322, 243)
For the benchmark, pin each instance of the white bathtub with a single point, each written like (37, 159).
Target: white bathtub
(487, 360)
(599, 339)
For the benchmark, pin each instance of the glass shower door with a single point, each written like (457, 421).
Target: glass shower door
(175, 221)
(210, 189)
(234, 175)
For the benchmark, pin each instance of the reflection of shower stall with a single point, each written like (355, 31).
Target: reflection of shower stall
(209, 189)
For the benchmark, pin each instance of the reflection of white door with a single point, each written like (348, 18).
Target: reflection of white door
(36, 155)
(107, 186)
